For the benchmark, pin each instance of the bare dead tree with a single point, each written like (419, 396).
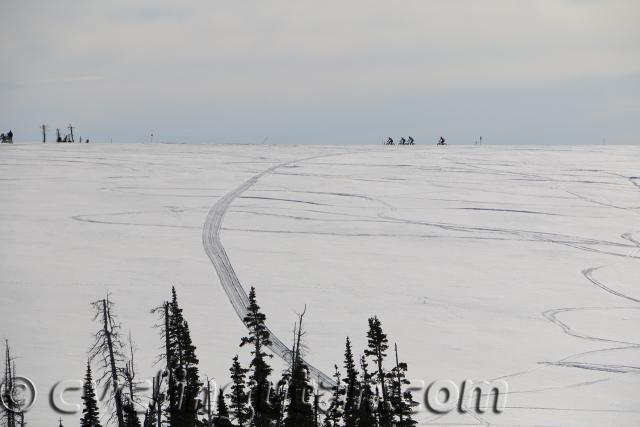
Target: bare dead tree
(298, 348)
(165, 377)
(131, 383)
(108, 350)
(210, 419)
(71, 128)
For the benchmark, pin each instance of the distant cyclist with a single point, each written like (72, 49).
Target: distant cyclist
(411, 141)
(442, 142)
(402, 141)
(390, 141)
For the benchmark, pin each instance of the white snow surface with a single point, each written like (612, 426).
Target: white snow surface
(520, 262)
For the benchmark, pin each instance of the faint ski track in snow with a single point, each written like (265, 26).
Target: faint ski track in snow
(551, 315)
(228, 279)
(588, 274)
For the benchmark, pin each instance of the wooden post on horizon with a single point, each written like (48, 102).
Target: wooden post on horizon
(44, 133)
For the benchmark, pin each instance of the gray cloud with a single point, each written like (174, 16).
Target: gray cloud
(201, 61)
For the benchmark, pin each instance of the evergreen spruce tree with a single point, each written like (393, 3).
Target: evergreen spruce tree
(193, 384)
(334, 412)
(352, 388)
(377, 345)
(401, 401)
(130, 416)
(259, 339)
(182, 363)
(278, 399)
(222, 415)
(8, 406)
(90, 414)
(173, 348)
(239, 399)
(366, 415)
(299, 412)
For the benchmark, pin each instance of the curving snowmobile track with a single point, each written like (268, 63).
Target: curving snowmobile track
(229, 280)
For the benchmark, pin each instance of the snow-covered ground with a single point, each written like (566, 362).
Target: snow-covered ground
(520, 263)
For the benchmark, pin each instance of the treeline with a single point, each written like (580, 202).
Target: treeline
(369, 390)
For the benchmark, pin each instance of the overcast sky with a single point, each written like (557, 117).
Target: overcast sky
(513, 71)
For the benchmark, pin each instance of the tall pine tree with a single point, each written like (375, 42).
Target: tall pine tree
(90, 414)
(377, 345)
(9, 408)
(239, 399)
(299, 412)
(401, 401)
(222, 412)
(299, 409)
(184, 383)
(258, 339)
(366, 411)
(352, 388)
(335, 411)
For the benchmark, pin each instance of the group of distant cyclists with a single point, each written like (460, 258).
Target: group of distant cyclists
(6, 138)
(410, 141)
(403, 141)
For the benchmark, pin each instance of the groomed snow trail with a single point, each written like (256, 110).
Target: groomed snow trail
(227, 275)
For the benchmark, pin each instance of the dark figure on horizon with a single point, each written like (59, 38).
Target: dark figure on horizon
(10, 137)
(402, 141)
(389, 141)
(442, 142)
(410, 141)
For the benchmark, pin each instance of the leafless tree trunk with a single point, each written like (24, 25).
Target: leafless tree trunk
(108, 348)
(130, 380)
